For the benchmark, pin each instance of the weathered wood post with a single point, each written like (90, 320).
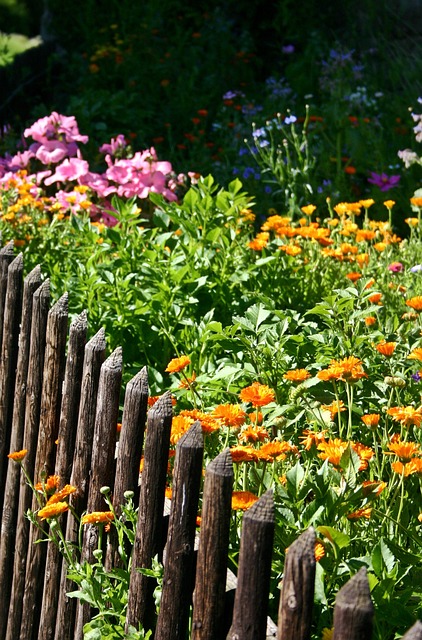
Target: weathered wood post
(297, 593)
(54, 364)
(11, 493)
(129, 453)
(93, 360)
(41, 302)
(151, 506)
(414, 633)
(7, 254)
(8, 361)
(173, 618)
(65, 450)
(353, 609)
(211, 566)
(253, 580)
(102, 460)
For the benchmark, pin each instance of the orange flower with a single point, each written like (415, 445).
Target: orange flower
(360, 513)
(179, 426)
(290, 249)
(365, 453)
(348, 369)
(259, 242)
(257, 394)
(232, 415)
(353, 276)
(415, 354)
(389, 204)
(407, 469)
(177, 364)
(367, 203)
(60, 495)
(187, 382)
(242, 500)
(256, 417)
(386, 348)
(98, 517)
(53, 510)
(310, 438)
(334, 408)
(404, 450)
(275, 451)
(243, 454)
(50, 485)
(208, 423)
(297, 375)
(253, 434)
(308, 209)
(375, 298)
(412, 222)
(373, 487)
(332, 450)
(370, 320)
(319, 551)
(407, 416)
(371, 420)
(415, 303)
(18, 456)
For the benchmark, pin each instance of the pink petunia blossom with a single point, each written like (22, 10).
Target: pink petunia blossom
(116, 144)
(70, 169)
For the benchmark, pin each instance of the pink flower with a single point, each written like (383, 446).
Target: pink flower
(72, 169)
(98, 183)
(116, 145)
(54, 151)
(55, 127)
(21, 159)
(383, 181)
(395, 267)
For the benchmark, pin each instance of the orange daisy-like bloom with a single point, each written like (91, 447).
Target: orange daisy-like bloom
(18, 456)
(404, 450)
(415, 354)
(208, 422)
(310, 438)
(386, 348)
(415, 303)
(243, 454)
(375, 298)
(362, 259)
(242, 500)
(308, 209)
(179, 426)
(334, 408)
(407, 416)
(367, 203)
(353, 276)
(53, 510)
(98, 517)
(319, 551)
(59, 496)
(370, 320)
(417, 202)
(232, 415)
(373, 487)
(253, 434)
(257, 394)
(332, 450)
(177, 364)
(409, 468)
(348, 369)
(256, 417)
(50, 485)
(371, 420)
(275, 451)
(297, 375)
(290, 249)
(360, 513)
(365, 454)
(187, 382)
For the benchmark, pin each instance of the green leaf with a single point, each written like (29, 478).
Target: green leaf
(294, 478)
(350, 463)
(341, 540)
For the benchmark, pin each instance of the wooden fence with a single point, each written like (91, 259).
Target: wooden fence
(59, 399)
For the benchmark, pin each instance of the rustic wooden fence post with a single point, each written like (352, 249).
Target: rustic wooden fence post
(173, 618)
(353, 609)
(11, 492)
(151, 506)
(7, 254)
(129, 452)
(8, 361)
(102, 460)
(41, 302)
(65, 450)
(211, 566)
(414, 633)
(54, 363)
(253, 580)
(297, 592)
(93, 360)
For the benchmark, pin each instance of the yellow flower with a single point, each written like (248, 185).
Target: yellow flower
(415, 303)
(242, 500)
(415, 354)
(308, 209)
(389, 204)
(18, 456)
(258, 394)
(179, 426)
(177, 364)
(98, 517)
(327, 634)
(53, 510)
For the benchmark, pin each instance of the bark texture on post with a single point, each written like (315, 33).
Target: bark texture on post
(11, 493)
(151, 506)
(297, 593)
(7, 254)
(41, 302)
(129, 453)
(353, 610)
(65, 450)
(211, 566)
(54, 364)
(102, 461)
(253, 580)
(173, 618)
(93, 360)
(8, 361)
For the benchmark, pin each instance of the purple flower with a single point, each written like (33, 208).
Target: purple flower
(290, 120)
(417, 376)
(416, 268)
(383, 181)
(288, 49)
(395, 267)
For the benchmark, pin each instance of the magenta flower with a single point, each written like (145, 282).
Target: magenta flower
(55, 127)
(116, 145)
(395, 267)
(70, 169)
(383, 181)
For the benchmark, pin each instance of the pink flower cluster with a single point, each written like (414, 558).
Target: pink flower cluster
(56, 147)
